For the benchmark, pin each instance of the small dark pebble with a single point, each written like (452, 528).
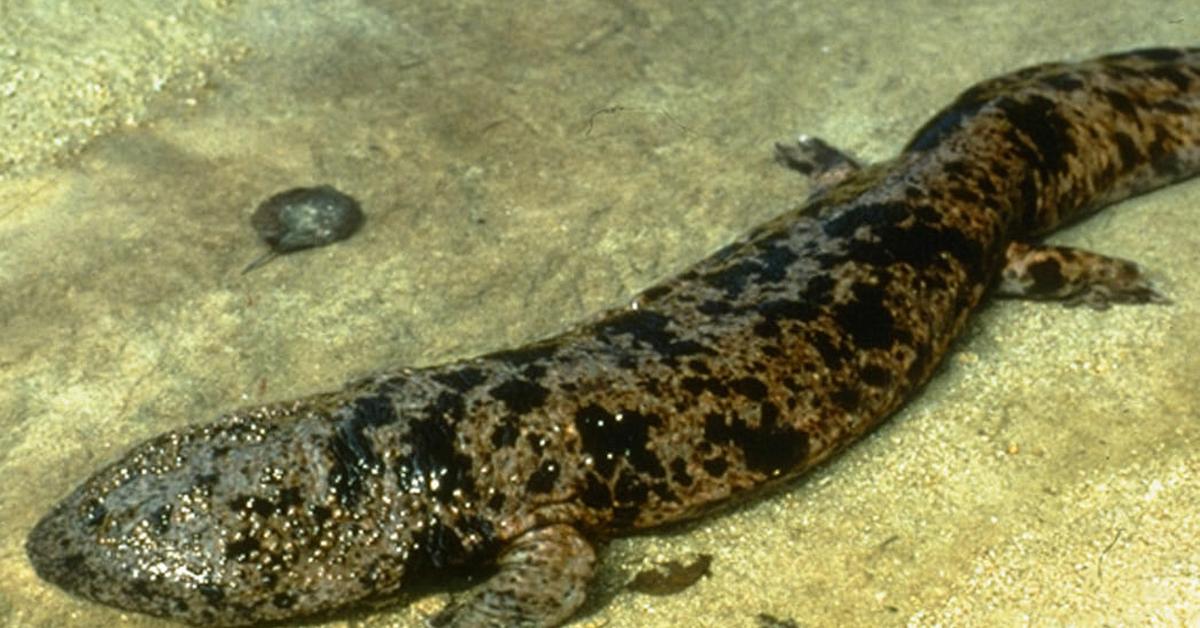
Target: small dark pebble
(302, 218)
(671, 577)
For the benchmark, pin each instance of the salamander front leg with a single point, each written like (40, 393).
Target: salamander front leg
(1074, 276)
(542, 580)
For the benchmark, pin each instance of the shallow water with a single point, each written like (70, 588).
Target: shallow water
(521, 171)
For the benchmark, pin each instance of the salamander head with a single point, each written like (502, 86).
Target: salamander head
(232, 523)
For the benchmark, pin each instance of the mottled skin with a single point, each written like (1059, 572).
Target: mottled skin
(751, 367)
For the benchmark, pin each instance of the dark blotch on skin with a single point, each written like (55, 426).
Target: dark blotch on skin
(1047, 277)
(1038, 119)
(609, 441)
(630, 490)
(288, 498)
(769, 448)
(505, 434)
(213, 593)
(714, 308)
(867, 318)
(775, 311)
(536, 443)
(354, 456)
(434, 455)
(655, 293)
(876, 376)
(372, 411)
(749, 387)
(716, 467)
(320, 514)
(894, 238)
(462, 379)
(206, 481)
(650, 329)
(1120, 102)
(846, 399)
(1175, 76)
(543, 479)
(442, 545)
(242, 550)
(623, 516)
(1063, 82)
(946, 122)
(697, 385)
(679, 474)
(520, 396)
(770, 265)
(596, 494)
(447, 406)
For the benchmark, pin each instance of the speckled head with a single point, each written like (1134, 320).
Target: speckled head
(229, 523)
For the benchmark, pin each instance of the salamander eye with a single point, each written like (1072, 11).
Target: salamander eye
(94, 513)
(160, 518)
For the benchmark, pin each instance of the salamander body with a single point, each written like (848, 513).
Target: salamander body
(747, 369)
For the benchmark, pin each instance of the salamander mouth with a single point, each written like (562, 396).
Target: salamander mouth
(54, 554)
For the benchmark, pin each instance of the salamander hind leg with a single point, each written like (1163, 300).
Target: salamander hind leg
(1073, 276)
(813, 157)
(542, 580)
